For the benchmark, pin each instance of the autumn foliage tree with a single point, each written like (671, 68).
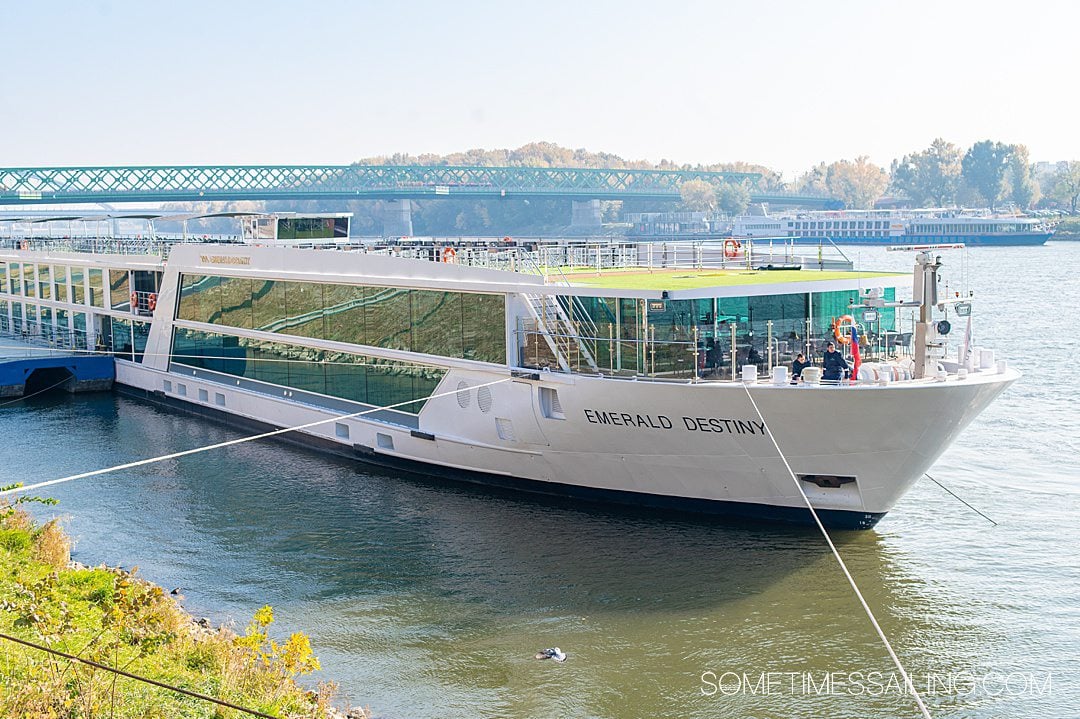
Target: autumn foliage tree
(698, 196)
(859, 184)
(930, 177)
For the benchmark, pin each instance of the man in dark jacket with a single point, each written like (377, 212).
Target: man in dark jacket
(834, 364)
(798, 366)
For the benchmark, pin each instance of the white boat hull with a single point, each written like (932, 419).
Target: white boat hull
(699, 447)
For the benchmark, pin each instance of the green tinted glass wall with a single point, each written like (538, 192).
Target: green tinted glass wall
(336, 374)
(446, 324)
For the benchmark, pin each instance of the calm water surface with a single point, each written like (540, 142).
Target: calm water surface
(429, 601)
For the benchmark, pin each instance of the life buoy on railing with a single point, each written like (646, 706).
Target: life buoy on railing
(449, 254)
(731, 248)
(24, 245)
(134, 300)
(843, 336)
(151, 301)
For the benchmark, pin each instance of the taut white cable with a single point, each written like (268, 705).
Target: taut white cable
(240, 440)
(840, 561)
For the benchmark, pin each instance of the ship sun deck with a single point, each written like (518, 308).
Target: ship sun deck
(291, 288)
(688, 279)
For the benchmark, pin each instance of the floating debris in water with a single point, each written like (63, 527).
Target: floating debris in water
(554, 653)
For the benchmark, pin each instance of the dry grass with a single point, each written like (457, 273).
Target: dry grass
(51, 546)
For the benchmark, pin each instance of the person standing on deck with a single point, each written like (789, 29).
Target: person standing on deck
(834, 364)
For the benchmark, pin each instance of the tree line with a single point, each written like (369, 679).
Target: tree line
(987, 174)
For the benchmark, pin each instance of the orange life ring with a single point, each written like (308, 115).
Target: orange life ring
(731, 248)
(134, 300)
(151, 301)
(24, 245)
(449, 254)
(843, 338)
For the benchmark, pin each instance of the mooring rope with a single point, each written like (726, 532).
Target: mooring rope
(239, 440)
(136, 677)
(960, 499)
(851, 580)
(35, 394)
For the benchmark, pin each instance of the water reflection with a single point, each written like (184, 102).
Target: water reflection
(424, 598)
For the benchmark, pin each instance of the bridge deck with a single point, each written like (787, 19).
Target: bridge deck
(34, 185)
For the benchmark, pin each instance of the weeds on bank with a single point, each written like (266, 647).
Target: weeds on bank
(115, 618)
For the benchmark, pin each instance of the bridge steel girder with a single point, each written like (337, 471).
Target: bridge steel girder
(58, 185)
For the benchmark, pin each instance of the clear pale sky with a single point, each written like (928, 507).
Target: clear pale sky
(784, 84)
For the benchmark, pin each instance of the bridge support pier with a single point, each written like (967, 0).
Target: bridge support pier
(586, 214)
(397, 218)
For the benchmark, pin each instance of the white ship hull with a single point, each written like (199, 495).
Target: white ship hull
(651, 444)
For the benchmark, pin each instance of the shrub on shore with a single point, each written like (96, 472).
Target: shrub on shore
(113, 617)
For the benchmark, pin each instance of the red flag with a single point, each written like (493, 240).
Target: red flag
(855, 359)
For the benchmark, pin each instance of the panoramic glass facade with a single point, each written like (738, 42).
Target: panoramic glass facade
(349, 376)
(666, 337)
(448, 324)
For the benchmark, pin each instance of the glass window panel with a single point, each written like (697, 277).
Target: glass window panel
(141, 331)
(14, 279)
(304, 309)
(46, 321)
(236, 302)
(119, 290)
(29, 281)
(97, 288)
(306, 371)
(268, 305)
(60, 283)
(44, 282)
(78, 290)
(436, 321)
(121, 338)
(389, 383)
(387, 318)
(344, 313)
(483, 328)
(346, 377)
(274, 366)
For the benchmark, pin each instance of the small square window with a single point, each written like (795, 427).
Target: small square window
(204, 396)
(181, 389)
(219, 399)
(341, 430)
(167, 385)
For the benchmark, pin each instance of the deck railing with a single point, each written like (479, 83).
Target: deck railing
(685, 360)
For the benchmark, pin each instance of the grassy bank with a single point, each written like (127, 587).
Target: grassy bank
(112, 617)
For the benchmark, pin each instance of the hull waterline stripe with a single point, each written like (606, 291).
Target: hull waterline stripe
(240, 440)
(843, 566)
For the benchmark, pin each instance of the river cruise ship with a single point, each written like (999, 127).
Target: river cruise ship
(645, 374)
(898, 227)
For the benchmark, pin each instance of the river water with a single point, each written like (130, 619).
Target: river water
(427, 600)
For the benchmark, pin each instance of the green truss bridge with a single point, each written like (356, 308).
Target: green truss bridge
(23, 185)
(398, 184)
